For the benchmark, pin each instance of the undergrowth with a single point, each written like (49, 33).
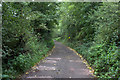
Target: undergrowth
(23, 62)
(103, 59)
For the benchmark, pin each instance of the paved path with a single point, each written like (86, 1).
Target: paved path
(62, 63)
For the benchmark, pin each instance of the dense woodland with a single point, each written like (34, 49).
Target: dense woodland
(91, 28)
(27, 35)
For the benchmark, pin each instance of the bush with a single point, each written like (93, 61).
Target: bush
(24, 33)
(95, 35)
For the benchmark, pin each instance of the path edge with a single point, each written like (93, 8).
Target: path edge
(48, 54)
(84, 61)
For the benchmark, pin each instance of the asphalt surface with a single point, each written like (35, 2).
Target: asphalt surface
(62, 63)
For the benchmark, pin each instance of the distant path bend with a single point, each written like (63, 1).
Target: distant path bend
(62, 63)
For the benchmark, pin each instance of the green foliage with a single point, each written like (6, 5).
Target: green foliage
(93, 31)
(57, 39)
(90, 28)
(25, 61)
(26, 35)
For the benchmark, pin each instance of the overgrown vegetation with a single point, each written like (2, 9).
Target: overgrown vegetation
(26, 35)
(92, 30)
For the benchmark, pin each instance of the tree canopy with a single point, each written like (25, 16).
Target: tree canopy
(91, 28)
(26, 32)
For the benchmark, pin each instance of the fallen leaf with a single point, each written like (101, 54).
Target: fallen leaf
(90, 71)
(26, 72)
(90, 68)
(33, 71)
(58, 72)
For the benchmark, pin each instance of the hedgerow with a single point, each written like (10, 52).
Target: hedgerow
(26, 35)
(92, 29)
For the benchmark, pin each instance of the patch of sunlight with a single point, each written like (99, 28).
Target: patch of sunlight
(53, 58)
(60, 0)
(80, 71)
(39, 77)
(50, 61)
(45, 68)
(59, 30)
(75, 61)
(64, 0)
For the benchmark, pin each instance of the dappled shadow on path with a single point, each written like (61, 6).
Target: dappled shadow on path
(62, 63)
